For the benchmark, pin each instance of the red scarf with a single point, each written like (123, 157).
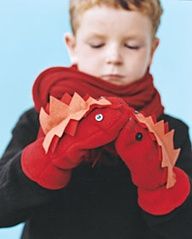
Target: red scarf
(55, 81)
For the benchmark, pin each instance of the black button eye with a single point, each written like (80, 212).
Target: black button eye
(139, 136)
(99, 117)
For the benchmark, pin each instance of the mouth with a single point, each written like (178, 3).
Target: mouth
(113, 78)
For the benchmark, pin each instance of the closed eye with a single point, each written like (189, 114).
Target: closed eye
(96, 45)
(132, 47)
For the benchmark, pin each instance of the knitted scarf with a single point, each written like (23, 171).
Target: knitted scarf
(55, 81)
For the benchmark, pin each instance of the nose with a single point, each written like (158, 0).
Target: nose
(113, 55)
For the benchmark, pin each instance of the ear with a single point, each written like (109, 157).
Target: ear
(70, 42)
(155, 44)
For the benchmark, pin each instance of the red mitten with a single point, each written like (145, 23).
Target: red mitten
(147, 150)
(51, 166)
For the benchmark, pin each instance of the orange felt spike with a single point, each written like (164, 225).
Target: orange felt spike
(159, 126)
(57, 111)
(168, 139)
(165, 140)
(60, 114)
(44, 119)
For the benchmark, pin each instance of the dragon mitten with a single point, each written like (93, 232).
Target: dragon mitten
(72, 127)
(147, 149)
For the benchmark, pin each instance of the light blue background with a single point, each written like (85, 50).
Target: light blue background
(31, 39)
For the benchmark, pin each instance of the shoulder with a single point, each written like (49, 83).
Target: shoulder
(181, 129)
(29, 116)
(173, 122)
(27, 125)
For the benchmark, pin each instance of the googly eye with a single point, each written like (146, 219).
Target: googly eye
(99, 117)
(139, 136)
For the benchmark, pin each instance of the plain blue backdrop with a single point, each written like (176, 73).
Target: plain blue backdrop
(31, 39)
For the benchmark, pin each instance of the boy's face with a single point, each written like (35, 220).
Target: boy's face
(113, 44)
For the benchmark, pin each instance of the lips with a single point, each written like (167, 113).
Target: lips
(112, 77)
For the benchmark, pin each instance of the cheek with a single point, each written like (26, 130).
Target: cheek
(89, 61)
(139, 63)
(143, 58)
(89, 64)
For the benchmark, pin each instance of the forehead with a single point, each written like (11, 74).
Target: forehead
(101, 20)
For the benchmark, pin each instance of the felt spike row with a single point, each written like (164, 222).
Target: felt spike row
(62, 112)
(164, 139)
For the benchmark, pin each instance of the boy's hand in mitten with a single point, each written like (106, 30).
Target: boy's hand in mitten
(147, 150)
(66, 143)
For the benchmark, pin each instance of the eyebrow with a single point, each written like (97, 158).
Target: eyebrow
(95, 34)
(102, 36)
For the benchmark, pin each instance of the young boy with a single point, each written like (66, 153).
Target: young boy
(111, 48)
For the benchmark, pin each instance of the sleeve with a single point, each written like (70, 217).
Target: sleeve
(18, 195)
(178, 223)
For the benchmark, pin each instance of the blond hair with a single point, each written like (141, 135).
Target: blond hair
(150, 8)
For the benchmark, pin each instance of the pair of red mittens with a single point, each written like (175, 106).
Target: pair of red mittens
(143, 146)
